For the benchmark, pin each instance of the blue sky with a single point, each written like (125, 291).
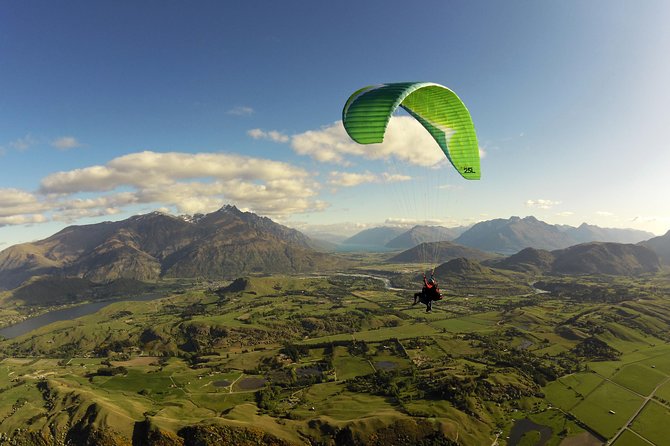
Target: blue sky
(108, 109)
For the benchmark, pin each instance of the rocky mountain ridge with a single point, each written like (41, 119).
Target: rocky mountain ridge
(222, 244)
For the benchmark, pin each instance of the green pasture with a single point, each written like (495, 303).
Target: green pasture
(347, 366)
(625, 339)
(653, 423)
(560, 395)
(582, 383)
(455, 346)
(466, 324)
(327, 339)
(664, 391)
(221, 402)
(246, 360)
(154, 385)
(315, 354)
(21, 395)
(194, 382)
(333, 400)
(401, 332)
(551, 350)
(639, 378)
(629, 438)
(605, 368)
(431, 352)
(659, 359)
(594, 411)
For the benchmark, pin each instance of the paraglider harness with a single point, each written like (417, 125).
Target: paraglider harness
(429, 293)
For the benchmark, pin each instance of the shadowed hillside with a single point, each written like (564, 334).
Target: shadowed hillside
(661, 246)
(586, 258)
(605, 258)
(223, 244)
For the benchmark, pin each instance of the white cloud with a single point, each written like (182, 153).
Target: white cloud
(65, 143)
(241, 111)
(22, 219)
(542, 204)
(565, 214)
(199, 182)
(349, 179)
(15, 202)
(604, 214)
(22, 144)
(411, 222)
(394, 177)
(405, 140)
(72, 215)
(272, 135)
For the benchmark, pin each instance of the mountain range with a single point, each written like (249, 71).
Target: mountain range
(222, 244)
(375, 238)
(503, 236)
(585, 258)
(424, 234)
(439, 252)
(228, 243)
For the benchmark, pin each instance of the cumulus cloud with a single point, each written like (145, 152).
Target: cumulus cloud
(350, 179)
(272, 135)
(542, 204)
(394, 177)
(22, 219)
(16, 202)
(199, 182)
(405, 140)
(65, 143)
(241, 111)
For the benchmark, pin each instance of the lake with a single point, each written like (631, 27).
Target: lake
(65, 314)
(524, 426)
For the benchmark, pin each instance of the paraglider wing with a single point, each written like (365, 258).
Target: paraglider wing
(367, 112)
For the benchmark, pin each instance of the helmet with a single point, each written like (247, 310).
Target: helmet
(431, 281)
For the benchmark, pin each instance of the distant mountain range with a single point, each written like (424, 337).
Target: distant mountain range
(374, 237)
(503, 236)
(424, 234)
(585, 258)
(229, 243)
(508, 236)
(223, 244)
(439, 252)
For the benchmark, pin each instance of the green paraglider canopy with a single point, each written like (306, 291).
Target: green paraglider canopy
(367, 112)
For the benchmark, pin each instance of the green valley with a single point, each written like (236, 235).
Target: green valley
(343, 359)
